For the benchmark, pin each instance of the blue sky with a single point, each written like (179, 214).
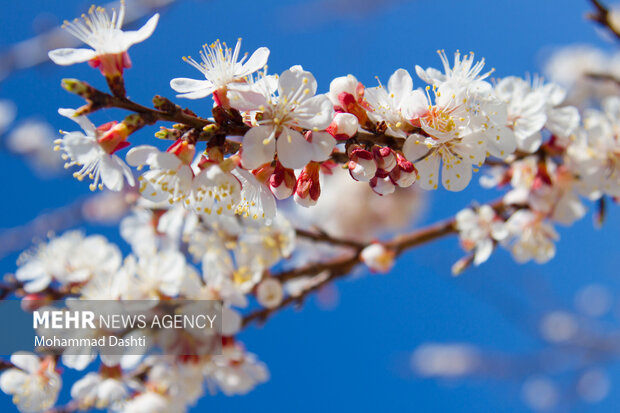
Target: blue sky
(356, 356)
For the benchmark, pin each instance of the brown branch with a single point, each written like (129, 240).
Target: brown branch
(605, 77)
(601, 15)
(321, 236)
(341, 266)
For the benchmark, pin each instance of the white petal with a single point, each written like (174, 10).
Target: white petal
(111, 173)
(456, 176)
(295, 79)
(400, 84)
(83, 149)
(164, 160)
(563, 121)
(316, 112)
(483, 251)
(414, 105)
(502, 142)
(245, 100)
(26, 361)
(415, 148)
(322, 145)
(428, 170)
(185, 85)
(83, 121)
(258, 147)
(38, 284)
(531, 143)
(294, 151)
(125, 169)
(257, 61)
(140, 155)
(198, 94)
(66, 57)
(132, 37)
(12, 381)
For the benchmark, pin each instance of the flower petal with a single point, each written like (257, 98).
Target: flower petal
(257, 61)
(198, 94)
(83, 121)
(111, 173)
(322, 145)
(185, 85)
(132, 37)
(66, 57)
(415, 148)
(26, 361)
(400, 84)
(258, 148)
(428, 171)
(294, 151)
(140, 155)
(316, 112)
(293, 80)
(456, 175)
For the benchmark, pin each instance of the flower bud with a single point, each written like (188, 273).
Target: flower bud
(308, 187)
(347, 95)
(114, 135)
(269, 293)
(183, 150)
(404, 174)
(78, 87)
(362, 165)
(384, 157)
(382, 185)
(378, 258)
(344, 126)
(167, 133)
(343, 84)
(282, 182)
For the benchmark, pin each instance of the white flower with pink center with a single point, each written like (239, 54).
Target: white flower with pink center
(221, 68)
(33, 382)
(94, 152)
(281, 118)
(103, 34)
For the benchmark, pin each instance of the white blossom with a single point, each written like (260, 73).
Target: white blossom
(103, 34)
(34, 383)
(479, 230)
(221, 68)
(96, 158)
(282, 115)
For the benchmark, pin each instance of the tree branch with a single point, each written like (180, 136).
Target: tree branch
(601, 16)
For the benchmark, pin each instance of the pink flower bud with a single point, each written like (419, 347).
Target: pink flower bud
(378, 258)
(282, 182)
(344, 126)
(384, 157)
(404, 174)
(269, 293)
(308, 187)
(344, 84)
(362, 165)
(382, 185)
(183, 150)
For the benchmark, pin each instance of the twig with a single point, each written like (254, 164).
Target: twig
(602, 16)
(340, 266)
(322, 236)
